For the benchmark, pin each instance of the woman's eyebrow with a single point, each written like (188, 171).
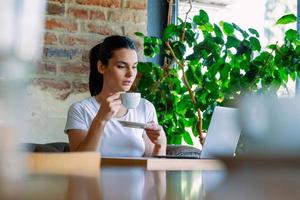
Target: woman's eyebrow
(122, 62)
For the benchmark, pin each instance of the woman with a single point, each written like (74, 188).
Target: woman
(92, 124)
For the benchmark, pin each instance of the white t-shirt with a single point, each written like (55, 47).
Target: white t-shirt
(116, 139)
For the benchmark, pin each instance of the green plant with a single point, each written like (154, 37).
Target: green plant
(211, 64)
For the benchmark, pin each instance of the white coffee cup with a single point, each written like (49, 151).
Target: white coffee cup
(130, 99)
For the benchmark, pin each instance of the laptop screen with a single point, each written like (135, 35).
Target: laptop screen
(223, 133)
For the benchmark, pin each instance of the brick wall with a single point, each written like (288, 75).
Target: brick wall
(72, 27)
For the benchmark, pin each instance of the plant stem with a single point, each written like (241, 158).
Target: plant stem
(186, 16)
(191, 93)
(170, 11)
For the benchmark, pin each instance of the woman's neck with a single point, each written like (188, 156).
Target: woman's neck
(102, 96)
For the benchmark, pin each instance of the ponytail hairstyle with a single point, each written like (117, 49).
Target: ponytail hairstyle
(103, 52)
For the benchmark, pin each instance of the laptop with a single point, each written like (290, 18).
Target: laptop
(223, 133)
(222, 136)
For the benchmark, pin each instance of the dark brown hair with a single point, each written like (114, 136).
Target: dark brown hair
(103, 52)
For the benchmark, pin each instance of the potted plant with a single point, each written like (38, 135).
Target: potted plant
(211, 64)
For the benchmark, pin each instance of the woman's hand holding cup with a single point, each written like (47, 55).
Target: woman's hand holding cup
(110, 107)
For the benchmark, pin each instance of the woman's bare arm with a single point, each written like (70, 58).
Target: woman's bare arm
(89, 141)
(81, 140)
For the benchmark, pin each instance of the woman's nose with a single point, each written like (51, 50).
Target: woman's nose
(129, 72)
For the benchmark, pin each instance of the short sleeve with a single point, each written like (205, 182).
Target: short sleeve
(75, 119)
(151, 112)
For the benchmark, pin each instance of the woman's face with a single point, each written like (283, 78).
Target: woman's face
(121, 71)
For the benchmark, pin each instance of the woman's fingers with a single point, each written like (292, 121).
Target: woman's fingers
(153, 139)
(154, 136)
(111, 105)
(114, 96)
(115, 103)
(155, 133)
(152, 126)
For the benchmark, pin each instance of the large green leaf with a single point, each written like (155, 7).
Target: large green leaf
(227, 28)
(232, 42)
(201, 19)
(146, 82)
(190, 73)
(291, 35)
(179, 49)
(208, 27)
(190, 37)
(283, 75)
(144, 67)
(244, 33)
(218, 40)
(152, 46)
(181, 106)
(224, 74)
(298, 50)
(187, 138)
(139, 34)
(218, 31)
(255, 44)
(286, 19)
(169, 32)
(253, 31)
(273, 46)
(194, 129)
(244, 49)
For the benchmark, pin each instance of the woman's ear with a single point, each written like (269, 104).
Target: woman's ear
(100, 67)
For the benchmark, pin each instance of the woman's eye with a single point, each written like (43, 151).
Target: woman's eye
(121, 66)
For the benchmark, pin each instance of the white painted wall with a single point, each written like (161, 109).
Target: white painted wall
(46, 115)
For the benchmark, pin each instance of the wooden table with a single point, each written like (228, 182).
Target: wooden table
(146, 179)
(71, 163)
(163, 163)
(78, 176)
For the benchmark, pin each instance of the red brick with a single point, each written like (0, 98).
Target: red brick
(75, 68)
(79, 86)
(55, 9)
(103, 3)
(99, 29)
(46, 67)
(117, 16)
(70, 40)
(58, 84)
(136, 4)
(63, 96)
(60, 1)
(97, 14)
(78, 13)
(58, 24)
(50, 38)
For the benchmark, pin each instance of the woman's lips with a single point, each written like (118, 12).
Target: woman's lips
(126, 82)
